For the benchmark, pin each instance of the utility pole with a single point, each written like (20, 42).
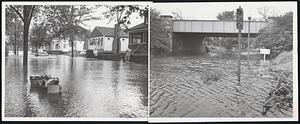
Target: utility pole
(248, 46)
(239, 26)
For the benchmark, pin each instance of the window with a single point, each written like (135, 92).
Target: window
(137, 38)
(91, 42)
(108, 38)
(65, 45)
(56, 46)
(101, 41)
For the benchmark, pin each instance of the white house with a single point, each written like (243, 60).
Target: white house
(64, 45)
(101, 40)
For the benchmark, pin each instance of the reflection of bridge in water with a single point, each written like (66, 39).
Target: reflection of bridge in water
(188, 35)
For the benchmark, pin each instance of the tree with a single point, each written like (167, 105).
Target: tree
(39, 37)
(13, 29)
(121, 14)
(28, 11)
(177, 15)
(278, 36)
(226, 16)
(65, 20)
(160, 41)
(267, 12)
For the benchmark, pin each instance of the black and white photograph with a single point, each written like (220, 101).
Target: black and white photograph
(223, 60)
(153, 61)
(73, 60)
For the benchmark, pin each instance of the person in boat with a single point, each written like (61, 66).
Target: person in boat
(127, 54)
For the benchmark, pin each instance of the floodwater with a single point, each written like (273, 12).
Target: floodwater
(206, 86)
(90, 88)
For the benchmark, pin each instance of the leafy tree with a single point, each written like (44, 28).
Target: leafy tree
(26, 17)
(121, 14)
(278, 36)
(160, 41)
(65, 20)
(39, 37)
(226, 16)
(13, 29)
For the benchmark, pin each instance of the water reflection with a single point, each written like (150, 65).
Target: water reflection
(90, 88)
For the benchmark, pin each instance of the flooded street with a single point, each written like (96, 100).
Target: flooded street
(90, 88)
(206, 86)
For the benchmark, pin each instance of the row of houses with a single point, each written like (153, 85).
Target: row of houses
(101, 40)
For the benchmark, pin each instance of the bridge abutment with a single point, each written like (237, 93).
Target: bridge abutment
(188, 44)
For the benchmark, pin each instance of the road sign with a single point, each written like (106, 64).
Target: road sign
(264, 51)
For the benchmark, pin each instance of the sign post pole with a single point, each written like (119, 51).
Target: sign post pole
(239, 26)
(239, 57)
(265, 51)
(248, 46)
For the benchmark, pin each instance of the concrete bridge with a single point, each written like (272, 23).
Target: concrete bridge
(188, 35)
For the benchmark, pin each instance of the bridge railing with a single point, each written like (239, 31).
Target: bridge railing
(215, 26)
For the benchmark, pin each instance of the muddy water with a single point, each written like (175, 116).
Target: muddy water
(206, 86)
(90, 88)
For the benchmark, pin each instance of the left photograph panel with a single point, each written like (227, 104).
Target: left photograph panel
(74, 60)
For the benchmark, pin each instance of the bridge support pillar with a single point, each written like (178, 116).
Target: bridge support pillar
(188, 44)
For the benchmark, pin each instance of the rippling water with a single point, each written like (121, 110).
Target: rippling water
(206, 86)
(90, 88)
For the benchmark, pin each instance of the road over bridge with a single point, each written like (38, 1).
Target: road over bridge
(188, 35)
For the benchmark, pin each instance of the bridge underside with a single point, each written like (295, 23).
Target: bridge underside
(192, 43)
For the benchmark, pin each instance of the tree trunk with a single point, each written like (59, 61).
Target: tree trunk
(72, 34)
(15, 48)
(72, 45)
(15, 44)
(26, 11)
(116, 41)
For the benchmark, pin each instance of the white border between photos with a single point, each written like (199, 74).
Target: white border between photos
(222, 119)
(3, 64)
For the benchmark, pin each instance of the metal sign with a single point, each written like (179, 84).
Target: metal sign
(264, 51)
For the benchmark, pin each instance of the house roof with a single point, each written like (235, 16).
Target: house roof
(139, 26)
(106, 31)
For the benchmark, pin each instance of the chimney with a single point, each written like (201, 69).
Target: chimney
(146, 17)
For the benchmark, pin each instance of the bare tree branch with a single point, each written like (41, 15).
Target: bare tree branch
(20, 15)
(31, 13)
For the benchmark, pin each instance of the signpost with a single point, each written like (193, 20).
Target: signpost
(239, 26)
(264, 51)
(248, 46)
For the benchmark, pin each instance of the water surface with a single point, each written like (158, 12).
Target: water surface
(206, 86)
(90, 88)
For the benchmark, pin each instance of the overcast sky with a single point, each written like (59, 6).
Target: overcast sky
(209, 10)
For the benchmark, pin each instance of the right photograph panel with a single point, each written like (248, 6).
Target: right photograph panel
(228, 59)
